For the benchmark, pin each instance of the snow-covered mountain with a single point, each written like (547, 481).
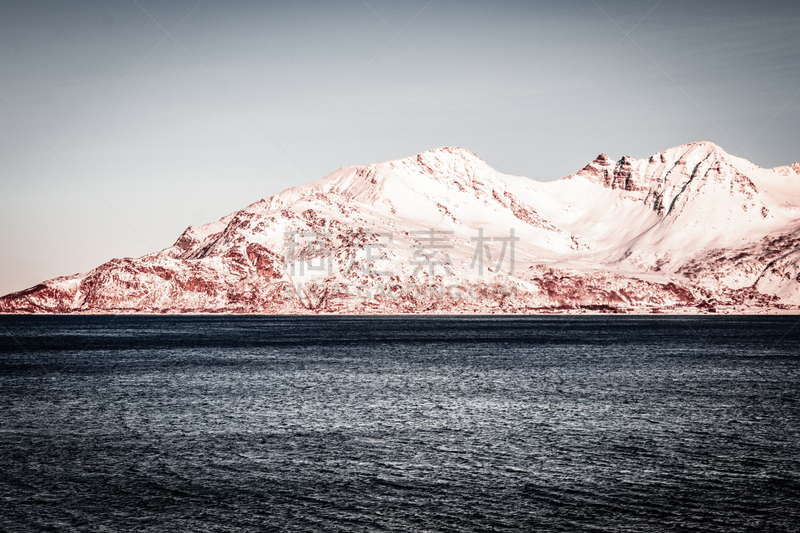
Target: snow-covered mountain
(690, 227)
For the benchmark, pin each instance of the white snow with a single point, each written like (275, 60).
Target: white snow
(687, 225)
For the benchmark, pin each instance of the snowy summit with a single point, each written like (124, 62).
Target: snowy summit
(689, 228)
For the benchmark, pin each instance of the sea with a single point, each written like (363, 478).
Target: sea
(413, 423)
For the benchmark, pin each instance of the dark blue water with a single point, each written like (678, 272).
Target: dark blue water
(399, 424)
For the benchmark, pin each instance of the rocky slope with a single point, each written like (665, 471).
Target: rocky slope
(690, 227)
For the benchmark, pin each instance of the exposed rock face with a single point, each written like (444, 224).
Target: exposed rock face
(443, 232)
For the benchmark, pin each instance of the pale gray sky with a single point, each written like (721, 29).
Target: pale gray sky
(123, 122)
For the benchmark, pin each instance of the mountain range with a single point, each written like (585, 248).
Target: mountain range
(690, 228)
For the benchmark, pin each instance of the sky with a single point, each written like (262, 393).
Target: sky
(124, 122)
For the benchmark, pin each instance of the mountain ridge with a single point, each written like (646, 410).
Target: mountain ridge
(690, 227)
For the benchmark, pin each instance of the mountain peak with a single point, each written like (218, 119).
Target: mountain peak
(448, 164)
(602, 159)
(451, 152)
(447, 159)
(704, 145)
(452, 166)
(702, 149)
(659, 179)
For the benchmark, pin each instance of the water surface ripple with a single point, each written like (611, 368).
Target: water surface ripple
(399, 424)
